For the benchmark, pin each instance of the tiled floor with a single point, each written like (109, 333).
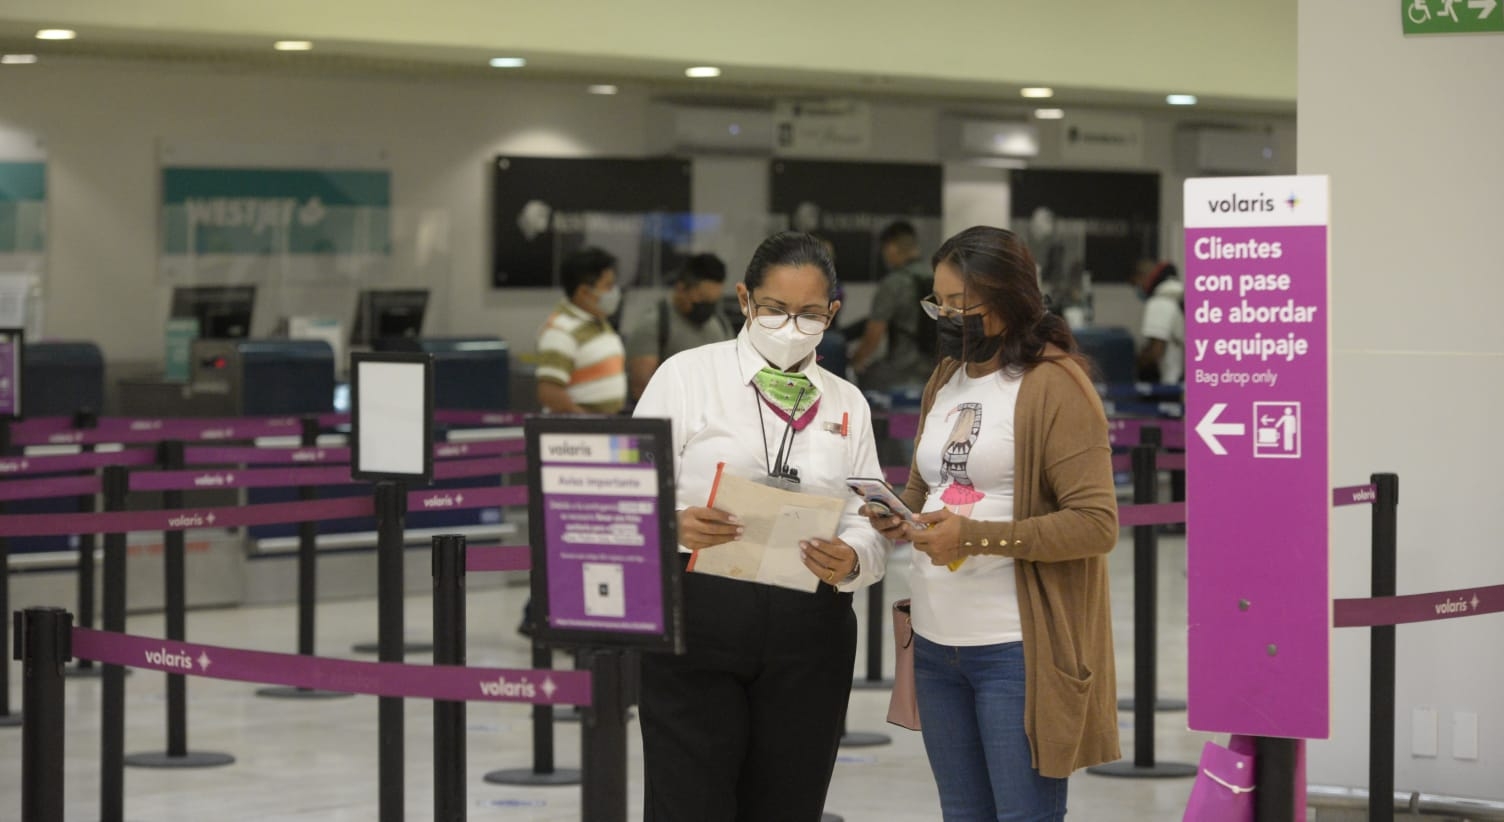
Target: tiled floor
(316, 760)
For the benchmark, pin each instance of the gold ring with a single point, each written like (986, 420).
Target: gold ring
(831, 578)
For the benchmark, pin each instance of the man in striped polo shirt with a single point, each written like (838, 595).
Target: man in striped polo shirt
(581, 359)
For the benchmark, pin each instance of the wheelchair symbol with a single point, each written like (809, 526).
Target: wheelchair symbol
(1419, 7)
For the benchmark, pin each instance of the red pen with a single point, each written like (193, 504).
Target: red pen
(845, 423)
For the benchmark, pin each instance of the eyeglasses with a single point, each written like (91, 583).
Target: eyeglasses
(935, 310)
(772, 318)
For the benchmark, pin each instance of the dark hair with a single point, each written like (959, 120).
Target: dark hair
(999, 270)
(701, 268)
(793, 248)
(584, 267)
(898, 231)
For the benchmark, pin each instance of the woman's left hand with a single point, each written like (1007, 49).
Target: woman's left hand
(830, 560)
(942, 539)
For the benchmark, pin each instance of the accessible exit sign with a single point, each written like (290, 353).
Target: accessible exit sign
(1451, 16)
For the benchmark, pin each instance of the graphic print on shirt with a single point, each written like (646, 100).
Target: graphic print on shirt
(959, 496)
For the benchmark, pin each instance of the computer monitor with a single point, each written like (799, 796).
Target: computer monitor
(223, 311)
(388, 312)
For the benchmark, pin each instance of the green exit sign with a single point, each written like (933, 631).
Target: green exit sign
(1451, 16)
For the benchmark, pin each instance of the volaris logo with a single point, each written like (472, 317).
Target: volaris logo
(501, 687)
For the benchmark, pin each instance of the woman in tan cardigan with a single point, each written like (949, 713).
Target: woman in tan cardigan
(1012, 473)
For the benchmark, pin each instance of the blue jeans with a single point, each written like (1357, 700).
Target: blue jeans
(971, 708)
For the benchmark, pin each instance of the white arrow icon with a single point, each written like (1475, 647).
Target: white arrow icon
(1487, 7)
(1210, 429)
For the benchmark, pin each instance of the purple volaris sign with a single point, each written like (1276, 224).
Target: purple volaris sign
(1258, 350)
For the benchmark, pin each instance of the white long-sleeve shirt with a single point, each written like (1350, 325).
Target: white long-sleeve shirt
(708, 395)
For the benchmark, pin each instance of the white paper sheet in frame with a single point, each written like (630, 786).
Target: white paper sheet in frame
(391, 417)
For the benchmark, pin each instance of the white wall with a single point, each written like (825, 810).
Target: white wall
(1408, 129)
(102, 124)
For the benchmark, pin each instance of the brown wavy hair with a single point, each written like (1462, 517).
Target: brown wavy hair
(1000, 273)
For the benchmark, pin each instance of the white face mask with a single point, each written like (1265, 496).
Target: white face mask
(609, 300)
(783, 347)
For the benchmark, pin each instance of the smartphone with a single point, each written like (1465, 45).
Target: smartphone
(879, 494)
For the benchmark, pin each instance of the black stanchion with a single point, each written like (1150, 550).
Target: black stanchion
(391, 521)
(177, 755)
(1145, 658)
(84, 420)
(543, 771)
(42, 644)
(1381, 655)
(308, 535)
(116, 484)
(449, 649)
(1274, 780)
(603, 740)
(7, 719)
(875, 639)
(1152, 436)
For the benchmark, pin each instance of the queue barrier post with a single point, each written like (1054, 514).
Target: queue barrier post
(42, 646)
(449, 757)
(7, 719)
(542, 772)
(308, 568)
(177, 755)
(83, 420)
(1145, 613)
(115, 487)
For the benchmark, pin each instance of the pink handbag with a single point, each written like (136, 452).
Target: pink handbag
(903, 703)
(1224, 783)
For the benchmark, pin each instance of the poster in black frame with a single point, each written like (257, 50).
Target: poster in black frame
(582, 542)
(544, 208)
(361, 419)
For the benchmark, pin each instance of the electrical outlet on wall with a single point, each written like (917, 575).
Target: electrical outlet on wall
(1423, 732)
(1464, 735)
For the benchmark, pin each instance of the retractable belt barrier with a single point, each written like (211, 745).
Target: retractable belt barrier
(393, 679)
(313, 476)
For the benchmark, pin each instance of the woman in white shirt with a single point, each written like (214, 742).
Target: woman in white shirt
(745, 725)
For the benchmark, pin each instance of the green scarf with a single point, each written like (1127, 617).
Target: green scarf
(781, 389)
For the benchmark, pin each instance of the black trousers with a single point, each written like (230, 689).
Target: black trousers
(744, 727)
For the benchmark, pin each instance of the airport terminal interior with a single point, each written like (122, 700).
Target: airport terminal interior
(257, 259)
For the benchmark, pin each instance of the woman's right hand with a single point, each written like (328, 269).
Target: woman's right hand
(886, 522)
(704, 527)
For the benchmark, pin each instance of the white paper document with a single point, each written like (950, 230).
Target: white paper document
(775, 521)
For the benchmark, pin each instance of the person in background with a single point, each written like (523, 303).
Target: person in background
(688, 318)
(745, 725)
(1162, 358)
(581, 366)
(1012, 474)
(895, 317)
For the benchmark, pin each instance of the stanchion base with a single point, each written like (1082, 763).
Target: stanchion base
(1161, 706)
(527, 776)
(407, 648)
(1159, 770)
(865, 739)
(872, 685)
(10, 720)
(192, 759)
(300, 693)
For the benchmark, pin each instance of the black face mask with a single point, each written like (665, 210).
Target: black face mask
(966, 336)
(700, 313)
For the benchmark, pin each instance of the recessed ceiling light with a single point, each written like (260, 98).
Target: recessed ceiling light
(17, 59)
(1049, 113)
(56, 34)
(602, 88)
(508, 62)
(1181, 99)
(1037, 92)
(702, 71)
(293, 45)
